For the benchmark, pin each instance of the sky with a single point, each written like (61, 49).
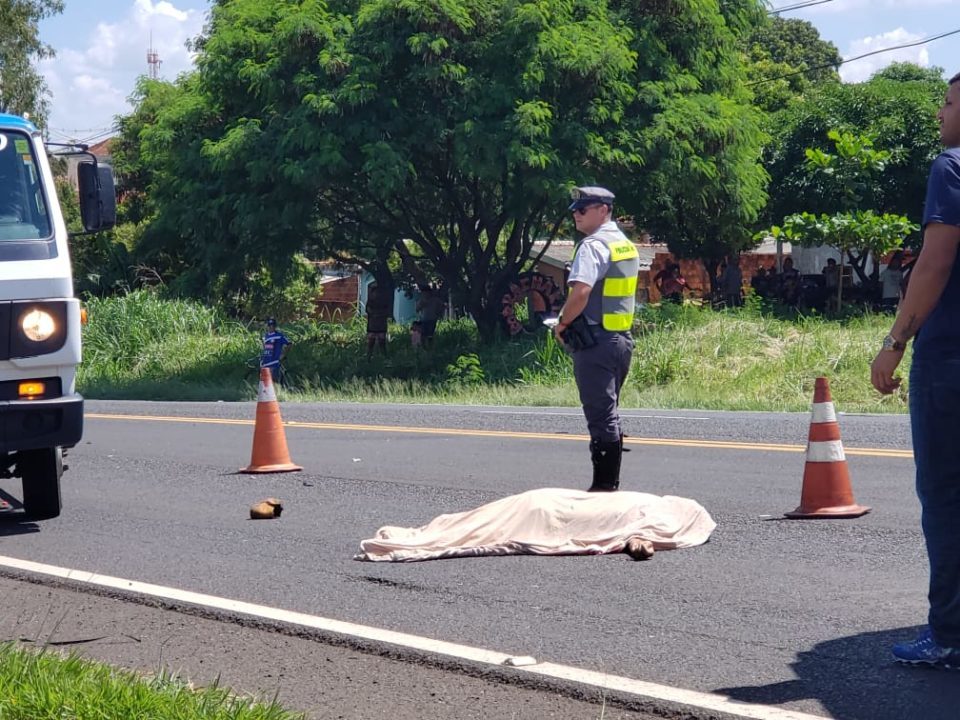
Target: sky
(102, 48)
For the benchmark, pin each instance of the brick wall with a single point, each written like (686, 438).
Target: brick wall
(338, 300)
(696, 274)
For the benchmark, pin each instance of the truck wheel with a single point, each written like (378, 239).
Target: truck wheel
(41, 471)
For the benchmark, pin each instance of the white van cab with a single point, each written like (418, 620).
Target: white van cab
(40, 410)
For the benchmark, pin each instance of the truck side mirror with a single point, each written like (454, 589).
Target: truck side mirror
(98, 196)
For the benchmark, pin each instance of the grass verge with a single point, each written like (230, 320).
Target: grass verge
(44, 684)
(753, 358)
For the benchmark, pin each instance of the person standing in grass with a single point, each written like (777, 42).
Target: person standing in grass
(275, 347)
(671, 283)
(930, 313)
(831, 280)
(430, 307)
(595, 323)
(890, 280)
(731, 282)
(379, 310)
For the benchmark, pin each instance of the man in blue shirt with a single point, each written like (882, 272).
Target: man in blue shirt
(930, 310)
(275, 346)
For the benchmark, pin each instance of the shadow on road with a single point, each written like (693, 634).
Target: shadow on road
(853, 678)
(13, 521)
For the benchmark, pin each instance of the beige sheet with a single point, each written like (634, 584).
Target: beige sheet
(549, 521)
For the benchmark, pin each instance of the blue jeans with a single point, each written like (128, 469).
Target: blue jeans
(935, 426)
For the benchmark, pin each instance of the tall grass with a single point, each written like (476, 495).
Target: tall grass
(751, 358)
(45, 685)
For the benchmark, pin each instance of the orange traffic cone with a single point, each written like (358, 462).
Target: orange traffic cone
(826, 481)
(270, 454)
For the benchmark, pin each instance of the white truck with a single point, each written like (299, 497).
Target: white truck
(41, 412)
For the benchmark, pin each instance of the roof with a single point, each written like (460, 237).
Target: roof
(769, 247)
(102, 149)
(16, 122)
(561, 252)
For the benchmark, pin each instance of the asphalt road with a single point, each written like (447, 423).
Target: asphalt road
(794, 614)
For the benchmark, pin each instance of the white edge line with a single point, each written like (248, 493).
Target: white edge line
(646, 690)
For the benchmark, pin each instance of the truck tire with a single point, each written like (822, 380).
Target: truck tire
(41, 471)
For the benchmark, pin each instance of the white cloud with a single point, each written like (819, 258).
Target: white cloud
(860, 70)
(91, 82)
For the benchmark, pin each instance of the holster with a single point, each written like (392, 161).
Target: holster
(578, 335)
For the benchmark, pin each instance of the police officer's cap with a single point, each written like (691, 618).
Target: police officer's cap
(585, 196)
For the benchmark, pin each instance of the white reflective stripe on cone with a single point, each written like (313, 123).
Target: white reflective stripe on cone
(266, 393)
(823, 412)
(831, 451)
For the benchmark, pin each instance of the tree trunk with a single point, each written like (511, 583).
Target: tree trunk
(711, 265)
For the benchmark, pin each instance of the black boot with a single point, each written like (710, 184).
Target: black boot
(606, 465)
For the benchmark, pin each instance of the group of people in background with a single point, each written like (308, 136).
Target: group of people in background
(379, 309)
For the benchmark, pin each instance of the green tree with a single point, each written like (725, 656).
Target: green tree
(899, 115)
(452, 127)
(22, 89)
(848, 178)
(134, 174)
(908, 72)
(786, 58)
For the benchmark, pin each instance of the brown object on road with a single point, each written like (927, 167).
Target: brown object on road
(266, 509)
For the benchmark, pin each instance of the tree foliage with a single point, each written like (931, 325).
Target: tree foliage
(786, 57)
(22, 89)
(857, 233)
(848, 177)
(899, 115)
(349, 127)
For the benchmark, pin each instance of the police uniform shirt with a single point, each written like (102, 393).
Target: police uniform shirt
(592, 260)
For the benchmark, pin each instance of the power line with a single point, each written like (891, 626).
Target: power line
(94, 139)
(924, 41)
(798, 6)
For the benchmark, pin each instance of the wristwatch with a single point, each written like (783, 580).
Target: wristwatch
(891, 343)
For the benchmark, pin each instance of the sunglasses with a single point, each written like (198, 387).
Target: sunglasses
(583, 210)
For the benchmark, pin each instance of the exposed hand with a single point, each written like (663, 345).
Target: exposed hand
(558, 330)
(882, 369)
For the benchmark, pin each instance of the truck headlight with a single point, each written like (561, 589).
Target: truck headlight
(38, 325)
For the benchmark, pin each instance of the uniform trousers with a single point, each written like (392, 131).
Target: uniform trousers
(600, 372)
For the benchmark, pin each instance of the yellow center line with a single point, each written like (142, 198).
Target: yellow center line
(668, 442)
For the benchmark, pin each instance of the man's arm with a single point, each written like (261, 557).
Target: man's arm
(927, 280)
(576, 302)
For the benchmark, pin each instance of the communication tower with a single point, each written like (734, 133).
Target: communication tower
(153, 60)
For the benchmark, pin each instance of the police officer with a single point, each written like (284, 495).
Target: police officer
(595, 323)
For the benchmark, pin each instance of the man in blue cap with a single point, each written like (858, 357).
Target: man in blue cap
(595, 324)
(275, 346)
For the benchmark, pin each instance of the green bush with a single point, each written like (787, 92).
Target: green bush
(465, 370)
